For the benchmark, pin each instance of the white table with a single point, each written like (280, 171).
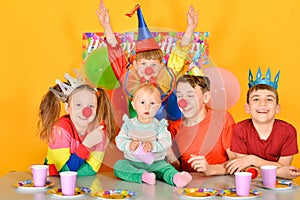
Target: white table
(160, 191)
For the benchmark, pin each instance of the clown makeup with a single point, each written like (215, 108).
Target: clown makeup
(191, 101)
(148, 69)
(146, 103)
(82, 109)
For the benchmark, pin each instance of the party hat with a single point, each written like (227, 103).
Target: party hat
(145, 41)
(68, 87)
(260, 80)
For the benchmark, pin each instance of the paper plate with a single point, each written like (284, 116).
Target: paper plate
(231, 194)
(280, 185)
(79, 192)
(197, 193)
(28, 185)
(115, 194)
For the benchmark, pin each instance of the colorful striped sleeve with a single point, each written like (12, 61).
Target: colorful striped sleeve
(60, 151)
(67, 153)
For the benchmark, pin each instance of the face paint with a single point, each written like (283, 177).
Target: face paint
(149, 71)
(87, 112)
(182, 103)
(148, 68)
(82, 108)
(190, 100)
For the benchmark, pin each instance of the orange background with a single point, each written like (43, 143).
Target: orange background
(41, 40)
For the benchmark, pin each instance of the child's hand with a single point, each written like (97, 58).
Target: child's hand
(192, 20)
(94, 137)
(147, 146)
(103, 15)
(238, 164)
(134, 145)
(192, 17)
(200, 164)
(288, 172)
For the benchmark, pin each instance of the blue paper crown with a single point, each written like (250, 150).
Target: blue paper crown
(267, 80)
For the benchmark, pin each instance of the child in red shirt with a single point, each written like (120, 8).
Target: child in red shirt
(262, 139)
(201, 140)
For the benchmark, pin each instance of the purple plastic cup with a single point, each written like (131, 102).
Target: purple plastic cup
(268, 174)
(39, 175)
(68, 182)
(146, 157)
(243, 183)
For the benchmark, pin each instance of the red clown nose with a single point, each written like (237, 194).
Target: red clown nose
(149, 71)
(87, 112)
(182, 103)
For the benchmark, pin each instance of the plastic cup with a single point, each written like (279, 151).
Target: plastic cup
(243, 183)
(146, 157)
(268, 174)
(68, 182)
(39, 175)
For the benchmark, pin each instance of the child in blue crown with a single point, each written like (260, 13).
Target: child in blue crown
(263, 139)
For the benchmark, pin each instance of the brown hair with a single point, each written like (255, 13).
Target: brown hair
(202, 81)
(262, 87)
(50, 108)
(156, 54)
(49, 112)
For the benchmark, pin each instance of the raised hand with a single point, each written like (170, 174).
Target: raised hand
(103, 14)
(192, 20)
(104, 19)
(192, 17)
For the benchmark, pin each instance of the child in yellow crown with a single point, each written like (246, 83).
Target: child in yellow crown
(263, 139)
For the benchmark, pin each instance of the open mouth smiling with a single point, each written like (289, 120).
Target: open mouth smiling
(262, 111)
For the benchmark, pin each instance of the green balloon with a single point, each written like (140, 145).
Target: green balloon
(132, 112)
(99, 71)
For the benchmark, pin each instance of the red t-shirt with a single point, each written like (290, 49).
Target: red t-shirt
(211, 138)
(281, 142)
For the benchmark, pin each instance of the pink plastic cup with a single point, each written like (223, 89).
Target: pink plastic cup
(146, 157)
(268, 174)
(243, 183)
(68, 182)
(39, 175)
